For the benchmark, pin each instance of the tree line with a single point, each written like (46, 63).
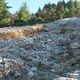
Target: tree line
(50, 12)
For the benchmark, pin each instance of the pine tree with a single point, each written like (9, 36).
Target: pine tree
(39, 12)
(23, 14)
(4, 13)
(49, 12)
(60, 10)
(76, 4)
(3, 9)
(70, 6)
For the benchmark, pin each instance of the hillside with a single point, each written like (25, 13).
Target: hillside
(48, 51)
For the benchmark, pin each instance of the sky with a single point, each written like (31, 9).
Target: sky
(33, 5)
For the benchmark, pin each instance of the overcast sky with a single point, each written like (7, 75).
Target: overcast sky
(33, 5)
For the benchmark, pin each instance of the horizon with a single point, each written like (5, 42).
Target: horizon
(33, 6)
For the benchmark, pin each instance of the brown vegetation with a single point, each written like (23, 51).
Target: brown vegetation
(12, 33)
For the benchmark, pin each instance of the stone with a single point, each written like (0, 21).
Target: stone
(1, 59)
(50, 54)
(17, 74)
(75, 45)
(61, 78)
(34, 69)
(1, 66)
(30, 74)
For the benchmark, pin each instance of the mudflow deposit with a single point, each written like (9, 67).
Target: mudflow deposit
(48, 51)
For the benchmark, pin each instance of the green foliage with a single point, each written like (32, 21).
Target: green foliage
(4, 14)
(23, 14)
(71, 8)
(50, 12)
(77, 12)
(76, 4)
(39, 20)
(60, 10)
(39, 13)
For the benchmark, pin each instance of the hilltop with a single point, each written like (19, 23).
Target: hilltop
(49, 51)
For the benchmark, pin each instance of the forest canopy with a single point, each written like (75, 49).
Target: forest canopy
(50, 12)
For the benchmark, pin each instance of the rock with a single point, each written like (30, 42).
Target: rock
(47, 52)
(34, 69)
(11, 73)
(1, 66)
(30, 74)
(61, 78)
(1, 60)
(17, 74)
(75, 45)
(75, 75)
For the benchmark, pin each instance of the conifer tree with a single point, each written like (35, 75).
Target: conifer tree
(70, 5)
(4, 13)
(23, 14)
(76, 4)
(60, 10)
